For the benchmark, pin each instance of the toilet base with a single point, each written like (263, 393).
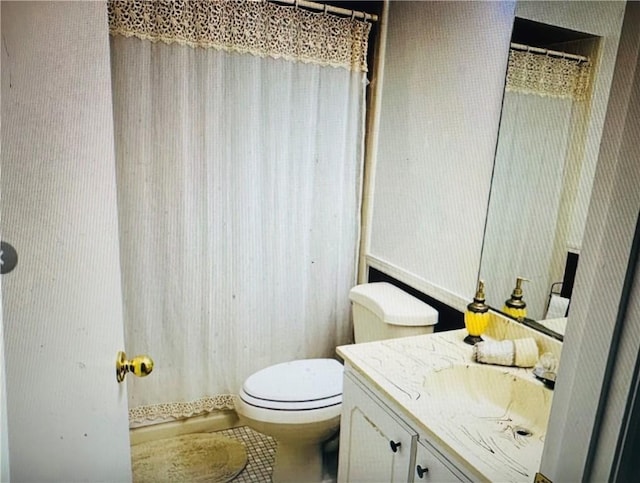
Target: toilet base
(295, 463)
(299, 451)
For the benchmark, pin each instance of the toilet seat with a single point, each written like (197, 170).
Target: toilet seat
(301, 385)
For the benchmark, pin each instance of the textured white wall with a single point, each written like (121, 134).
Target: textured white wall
(608, 237)
(62, 307)
(445, 67)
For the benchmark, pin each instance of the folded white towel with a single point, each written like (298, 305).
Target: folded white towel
(519, 352)
(526, 352)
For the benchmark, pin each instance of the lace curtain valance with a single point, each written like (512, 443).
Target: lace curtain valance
(544, 75)
(249, 27)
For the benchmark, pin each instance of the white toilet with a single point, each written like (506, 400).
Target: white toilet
(298, 403)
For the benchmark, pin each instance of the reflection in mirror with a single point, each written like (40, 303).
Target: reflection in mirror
(539, 193)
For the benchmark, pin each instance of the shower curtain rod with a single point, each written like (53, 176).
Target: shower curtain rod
(554, 53)
(323, 7)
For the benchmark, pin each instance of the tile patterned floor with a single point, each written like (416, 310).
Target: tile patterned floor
(261, 452)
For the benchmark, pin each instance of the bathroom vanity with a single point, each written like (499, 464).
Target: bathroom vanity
(418, 409)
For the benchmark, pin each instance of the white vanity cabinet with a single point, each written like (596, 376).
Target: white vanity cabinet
(378, 445)
(430, 468)
(374, 444)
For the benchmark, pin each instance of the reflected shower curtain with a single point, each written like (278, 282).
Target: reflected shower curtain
(538, 154)
(527, 185)
(239, 161)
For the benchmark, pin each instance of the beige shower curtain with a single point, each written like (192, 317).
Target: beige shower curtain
(239, 146)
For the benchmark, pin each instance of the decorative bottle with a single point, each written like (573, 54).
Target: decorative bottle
(476, 318)
(515, 306)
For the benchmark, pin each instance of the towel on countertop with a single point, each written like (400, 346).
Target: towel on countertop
(518, 352)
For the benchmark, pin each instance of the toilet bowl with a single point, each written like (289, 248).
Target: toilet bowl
(299, 402)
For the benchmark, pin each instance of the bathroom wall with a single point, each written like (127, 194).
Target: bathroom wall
(62, 308)
(444, 72)
(601, 348)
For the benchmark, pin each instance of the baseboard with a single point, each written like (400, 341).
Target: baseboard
(215, 421)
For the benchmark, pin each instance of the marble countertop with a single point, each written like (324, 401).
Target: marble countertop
(478, 421)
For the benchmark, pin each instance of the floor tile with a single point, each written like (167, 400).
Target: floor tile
(261, 450)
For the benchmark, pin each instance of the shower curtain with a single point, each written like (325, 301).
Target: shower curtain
(239, 147)
(527, 186)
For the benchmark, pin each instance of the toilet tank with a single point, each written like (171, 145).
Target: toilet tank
(383, 311)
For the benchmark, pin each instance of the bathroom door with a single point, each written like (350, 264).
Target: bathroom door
(62, 303)
(4, 439)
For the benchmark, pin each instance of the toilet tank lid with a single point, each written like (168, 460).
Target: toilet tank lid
(393, 305)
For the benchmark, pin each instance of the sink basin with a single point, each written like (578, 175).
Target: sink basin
(493, 397)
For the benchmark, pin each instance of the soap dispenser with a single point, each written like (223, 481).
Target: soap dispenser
(515, 306)
(476, 318)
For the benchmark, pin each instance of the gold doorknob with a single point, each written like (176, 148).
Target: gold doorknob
(141, 366)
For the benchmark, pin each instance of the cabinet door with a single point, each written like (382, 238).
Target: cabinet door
(429, 468)
(374, 444)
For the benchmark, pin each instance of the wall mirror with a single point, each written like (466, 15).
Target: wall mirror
(542, 174)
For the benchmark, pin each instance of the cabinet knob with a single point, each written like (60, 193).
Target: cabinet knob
(394, 446)
(421, 471)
